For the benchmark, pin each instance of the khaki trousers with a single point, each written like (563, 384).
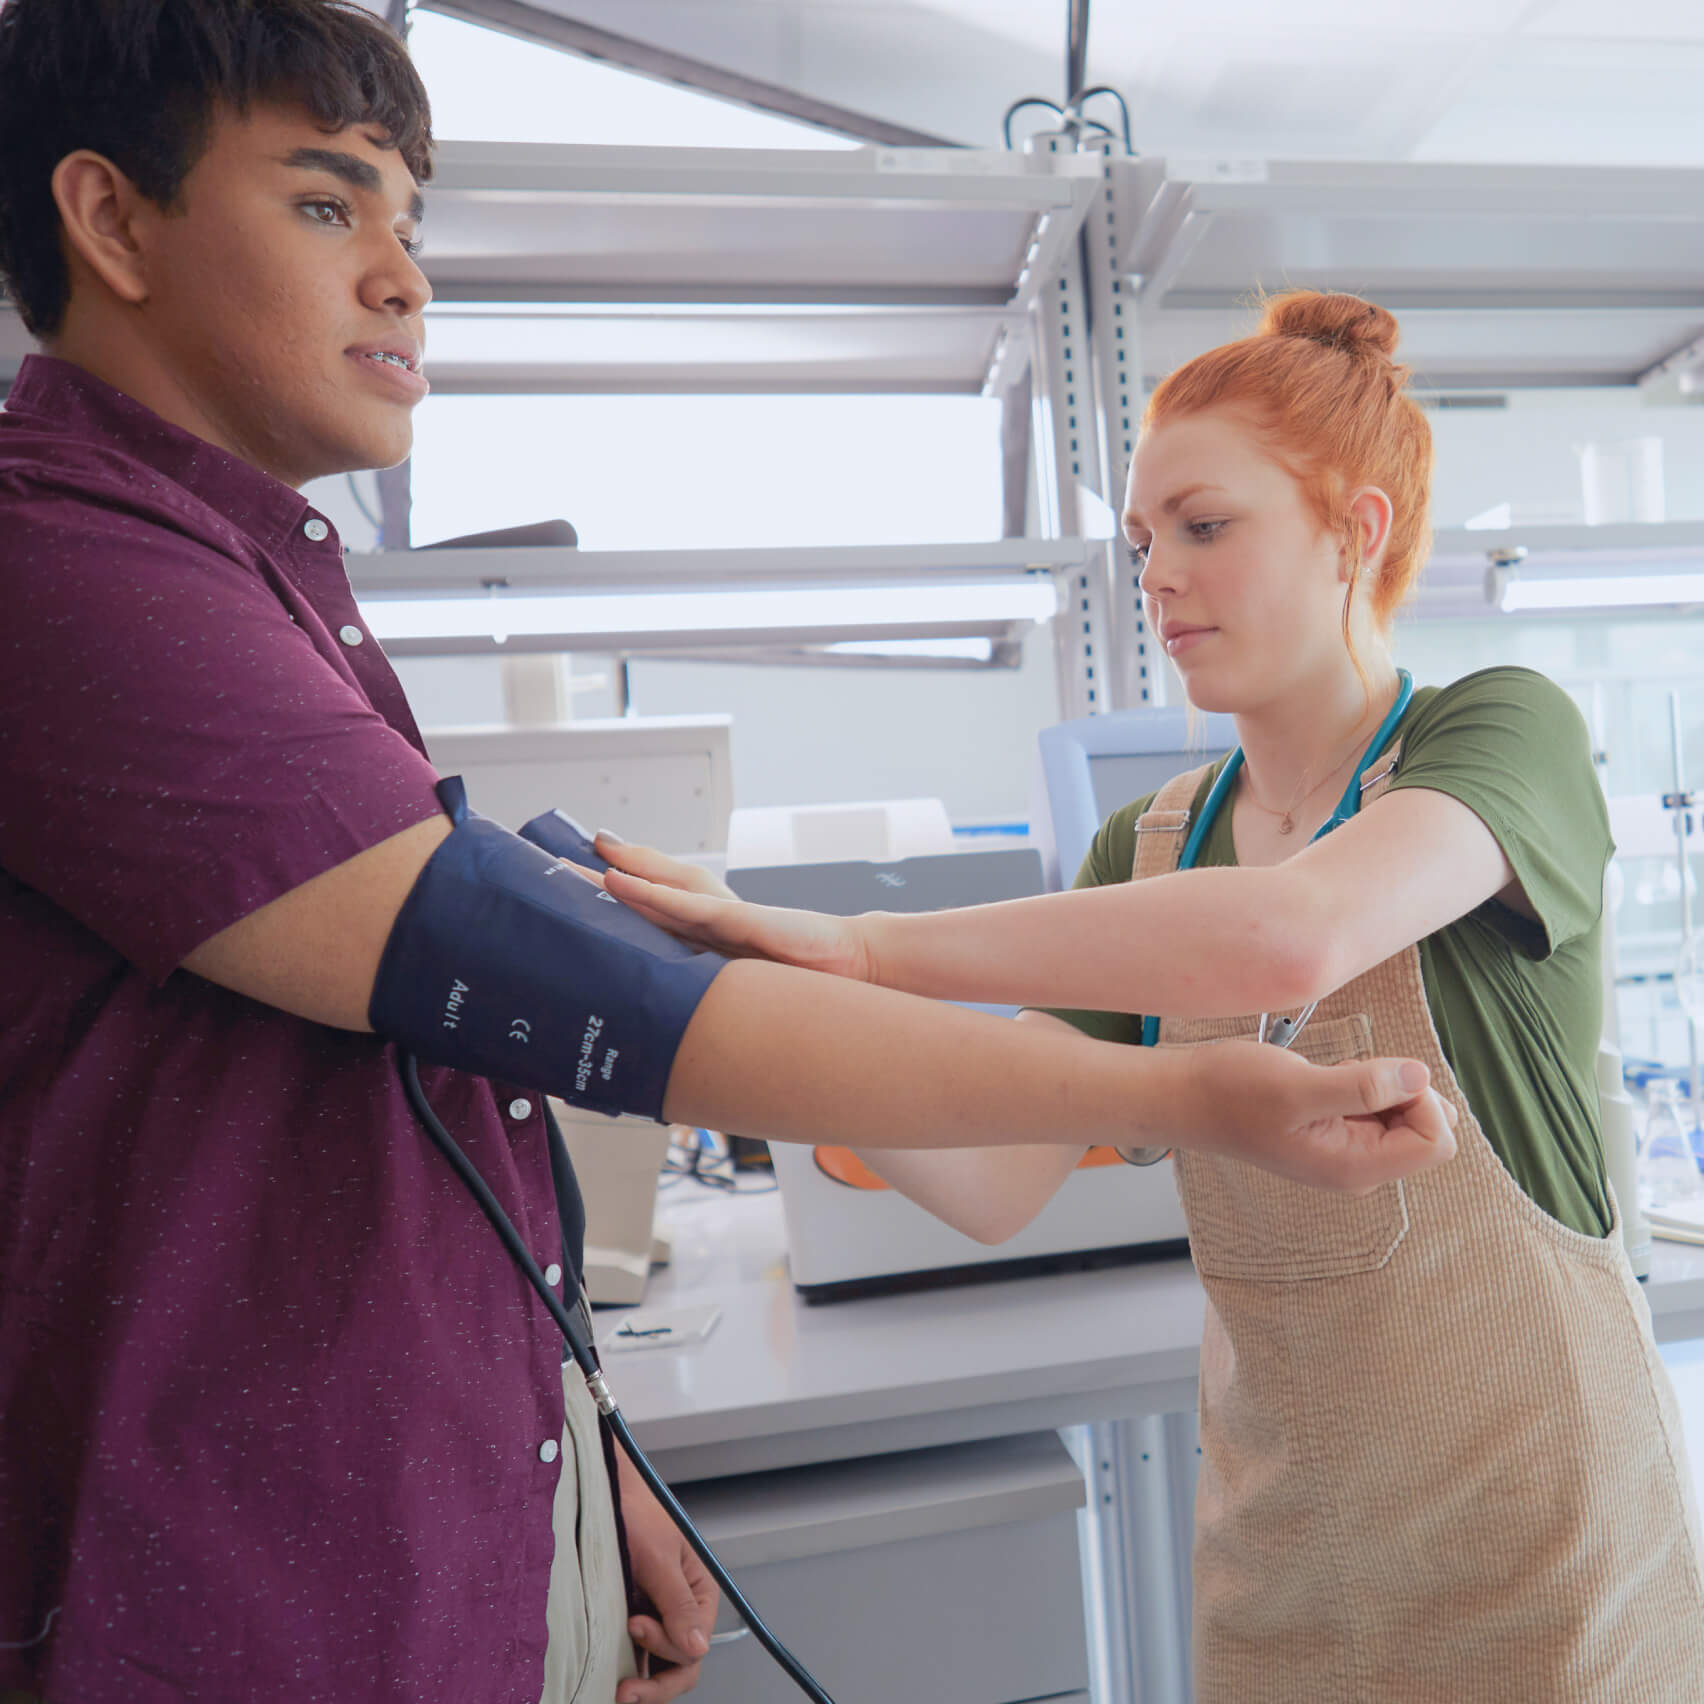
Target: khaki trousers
(586, 1612)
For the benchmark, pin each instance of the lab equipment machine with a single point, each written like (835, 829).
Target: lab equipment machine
(1088, 768)
(618, 1162)
(665, 781)
(848, 1234)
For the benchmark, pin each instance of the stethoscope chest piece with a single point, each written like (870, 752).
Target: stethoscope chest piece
(1280, 1032)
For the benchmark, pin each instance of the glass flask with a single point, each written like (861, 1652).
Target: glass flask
(1667, 1171)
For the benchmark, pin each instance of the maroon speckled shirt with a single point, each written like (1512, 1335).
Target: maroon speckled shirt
(272, 1398)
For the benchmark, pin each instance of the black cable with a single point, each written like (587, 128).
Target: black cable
(1078, 102)
(585, 1356)
(1018, 106)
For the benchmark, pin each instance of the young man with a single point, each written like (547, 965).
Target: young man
(280, 1421)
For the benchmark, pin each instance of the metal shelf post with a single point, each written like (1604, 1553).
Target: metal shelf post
(1068, 457)
(1134, 676)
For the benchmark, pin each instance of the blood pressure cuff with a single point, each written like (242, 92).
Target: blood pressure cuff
(506, 963)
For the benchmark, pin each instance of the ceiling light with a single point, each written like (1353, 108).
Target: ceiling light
(905, 610)
(1515, 589)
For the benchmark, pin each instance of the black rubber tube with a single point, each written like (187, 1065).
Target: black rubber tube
(580, 1346)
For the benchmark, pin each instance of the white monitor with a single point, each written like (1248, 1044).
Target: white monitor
(663, 780)
(1089, 768)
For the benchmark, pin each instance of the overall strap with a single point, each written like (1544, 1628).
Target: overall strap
(1379, 777)
(1160, 830)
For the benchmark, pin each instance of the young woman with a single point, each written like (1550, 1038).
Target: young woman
(1441, 1459)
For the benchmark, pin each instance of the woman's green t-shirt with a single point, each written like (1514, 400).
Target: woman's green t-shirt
(1518, 1005)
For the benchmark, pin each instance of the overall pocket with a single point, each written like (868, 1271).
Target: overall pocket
(1248, 1224)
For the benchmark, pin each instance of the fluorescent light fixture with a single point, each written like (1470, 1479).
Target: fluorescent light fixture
(502, 615)
(1515, 590)
(956, 650)
(527, 310)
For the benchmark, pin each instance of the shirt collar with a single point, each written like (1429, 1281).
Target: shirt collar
(66, 398)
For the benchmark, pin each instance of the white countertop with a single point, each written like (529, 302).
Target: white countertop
(777, 1383)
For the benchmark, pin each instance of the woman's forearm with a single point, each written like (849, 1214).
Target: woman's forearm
(1209, 943)
(987, 1193)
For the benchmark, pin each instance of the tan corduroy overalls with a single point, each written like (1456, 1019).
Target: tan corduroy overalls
(1441, 1460)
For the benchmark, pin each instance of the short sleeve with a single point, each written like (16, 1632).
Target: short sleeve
(1512, 747)
(1111, 857)
(175, 752)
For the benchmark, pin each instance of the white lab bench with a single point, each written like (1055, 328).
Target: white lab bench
(939, 1554)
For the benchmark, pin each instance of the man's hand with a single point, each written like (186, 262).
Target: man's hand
(1350, 1127)
(671, 1576)
(691, 904)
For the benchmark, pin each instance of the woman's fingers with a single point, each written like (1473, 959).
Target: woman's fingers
(1352, 1127)
(654, 866)
(698, 916)
(811, 940)
(1384, 1129)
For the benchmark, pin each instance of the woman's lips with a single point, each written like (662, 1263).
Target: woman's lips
(1186, 639)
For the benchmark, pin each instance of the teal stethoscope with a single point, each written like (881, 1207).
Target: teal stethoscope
(1282, 1031)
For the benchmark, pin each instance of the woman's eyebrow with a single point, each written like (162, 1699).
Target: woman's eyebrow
(1174, 502)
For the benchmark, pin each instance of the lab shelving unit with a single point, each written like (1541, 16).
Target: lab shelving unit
(595, 269)
(1505, 277)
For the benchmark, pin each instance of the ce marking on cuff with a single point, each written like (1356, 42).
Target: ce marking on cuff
(520, 1030)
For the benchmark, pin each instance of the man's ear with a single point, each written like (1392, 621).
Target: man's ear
(99, 208)
(1370, 517)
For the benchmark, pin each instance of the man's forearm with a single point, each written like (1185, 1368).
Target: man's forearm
(793, 1056)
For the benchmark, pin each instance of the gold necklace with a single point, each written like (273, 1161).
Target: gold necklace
(1287, 816)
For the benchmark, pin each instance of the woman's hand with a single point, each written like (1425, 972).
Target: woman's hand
(658, 867)
(692, 904)
(1350, 1127)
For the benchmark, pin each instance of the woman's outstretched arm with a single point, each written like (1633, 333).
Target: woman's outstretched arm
(1200, 943)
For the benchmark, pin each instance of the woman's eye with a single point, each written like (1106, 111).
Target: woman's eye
(1204, 532)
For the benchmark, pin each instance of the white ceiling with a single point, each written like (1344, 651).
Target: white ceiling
(1544, 81)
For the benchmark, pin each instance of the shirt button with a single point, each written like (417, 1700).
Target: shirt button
(351, 634)
(547, 1451)
(316, 529)
(520, 1109)
(553, 1274)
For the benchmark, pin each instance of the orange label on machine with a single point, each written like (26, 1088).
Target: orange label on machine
(845, 1167)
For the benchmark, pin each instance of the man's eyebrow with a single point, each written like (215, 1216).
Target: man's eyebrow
(352, 169)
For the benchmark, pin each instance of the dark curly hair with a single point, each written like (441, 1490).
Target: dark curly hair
(138, 82)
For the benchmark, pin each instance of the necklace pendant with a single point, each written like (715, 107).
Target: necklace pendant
(1288, 825)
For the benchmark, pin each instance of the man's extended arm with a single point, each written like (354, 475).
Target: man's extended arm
(791, 1055)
